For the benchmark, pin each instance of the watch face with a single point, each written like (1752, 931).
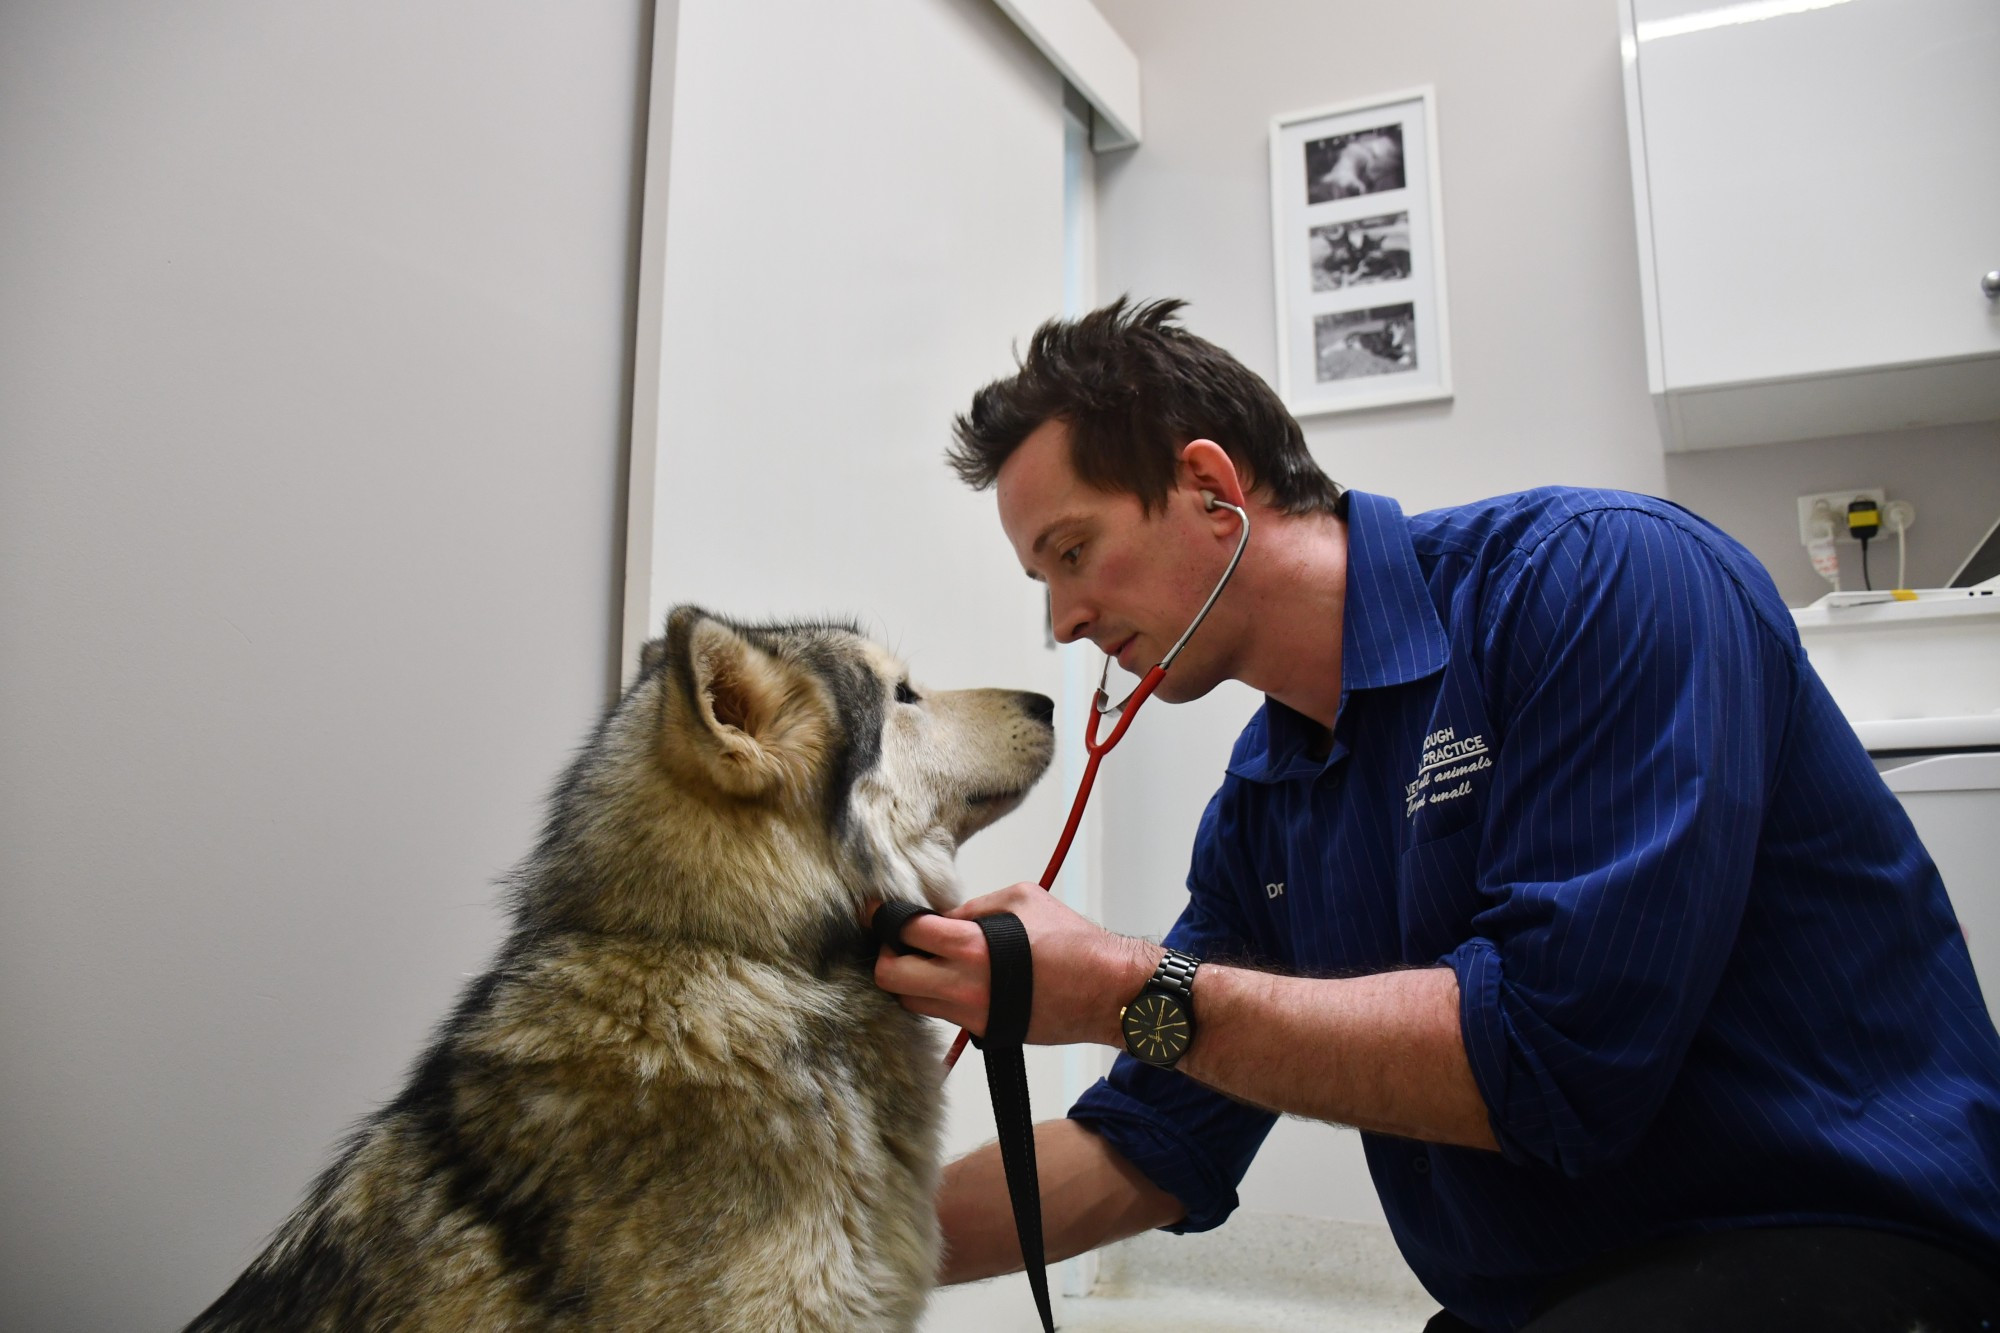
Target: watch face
(1156, 1028)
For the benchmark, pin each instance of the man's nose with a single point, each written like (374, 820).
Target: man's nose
(1069, 619)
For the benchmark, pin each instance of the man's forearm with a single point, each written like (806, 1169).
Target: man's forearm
(1381, 1052)
(1091, 1196)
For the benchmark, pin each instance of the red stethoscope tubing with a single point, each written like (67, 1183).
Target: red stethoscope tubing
(1097, 750)
(1126, 712)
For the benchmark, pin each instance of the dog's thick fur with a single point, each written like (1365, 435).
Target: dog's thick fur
(677, 1101)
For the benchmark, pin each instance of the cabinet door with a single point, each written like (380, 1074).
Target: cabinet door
(1824, 182)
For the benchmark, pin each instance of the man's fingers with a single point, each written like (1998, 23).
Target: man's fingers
(946, 938)
(930, 978)
(932, 1009)
(913, 974)
(932, 987)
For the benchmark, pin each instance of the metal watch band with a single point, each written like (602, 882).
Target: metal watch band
(1176, 973)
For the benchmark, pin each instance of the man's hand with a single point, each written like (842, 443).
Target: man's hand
(1083, 972)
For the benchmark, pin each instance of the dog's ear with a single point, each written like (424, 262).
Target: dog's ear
(651, 654)
(753, 722)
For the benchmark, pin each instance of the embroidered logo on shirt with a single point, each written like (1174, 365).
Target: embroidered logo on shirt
(1446, 773)
(1274, 890)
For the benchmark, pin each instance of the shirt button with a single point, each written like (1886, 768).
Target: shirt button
(1421, 1165)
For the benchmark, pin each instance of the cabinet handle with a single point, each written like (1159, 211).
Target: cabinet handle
(1990, 284)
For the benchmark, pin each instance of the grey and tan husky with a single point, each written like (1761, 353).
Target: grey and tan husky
(676, 1100)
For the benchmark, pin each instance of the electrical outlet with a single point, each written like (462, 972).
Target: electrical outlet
(1836, 503)
(1898, 515)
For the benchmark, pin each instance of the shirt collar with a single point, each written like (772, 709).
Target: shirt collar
(1390, 631)
(1390, 635)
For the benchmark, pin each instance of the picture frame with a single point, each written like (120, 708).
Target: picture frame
(1357, 244)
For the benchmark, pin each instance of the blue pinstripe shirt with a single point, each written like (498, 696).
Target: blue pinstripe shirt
(1709, 975)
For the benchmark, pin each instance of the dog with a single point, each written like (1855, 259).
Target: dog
(1367, 163)
(677, 1101)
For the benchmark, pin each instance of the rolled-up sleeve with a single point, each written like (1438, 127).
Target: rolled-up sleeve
(1193, 1143)
(1629, 679)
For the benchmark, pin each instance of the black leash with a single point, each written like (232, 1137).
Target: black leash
(1012, 999)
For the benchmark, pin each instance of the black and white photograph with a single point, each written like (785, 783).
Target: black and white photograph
(1381, 340)
(1357, 254)
(1347, 254)
(1344, 165)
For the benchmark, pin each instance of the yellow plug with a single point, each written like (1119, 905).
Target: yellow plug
(1864, 520)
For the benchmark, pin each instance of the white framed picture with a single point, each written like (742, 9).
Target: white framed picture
(1358, 249)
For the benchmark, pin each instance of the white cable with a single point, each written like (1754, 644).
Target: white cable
(1825, 560)
(1902, 549)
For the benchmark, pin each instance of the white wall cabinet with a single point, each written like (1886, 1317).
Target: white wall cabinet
(1818, 199)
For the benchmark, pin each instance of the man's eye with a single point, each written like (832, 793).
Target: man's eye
(1073, 554)
(906, 695)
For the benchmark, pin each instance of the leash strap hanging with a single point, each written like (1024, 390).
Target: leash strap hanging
(1011, 1000)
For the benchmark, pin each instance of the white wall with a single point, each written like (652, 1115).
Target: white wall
(1547, 349)
(313, 348)
(865, 213)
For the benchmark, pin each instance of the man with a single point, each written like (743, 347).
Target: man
(1596, 918)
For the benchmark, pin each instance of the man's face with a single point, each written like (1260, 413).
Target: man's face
(1127, 581)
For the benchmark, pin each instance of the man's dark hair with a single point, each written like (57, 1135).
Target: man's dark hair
(1134, 388)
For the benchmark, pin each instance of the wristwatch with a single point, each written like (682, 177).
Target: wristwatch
(1159, 1022)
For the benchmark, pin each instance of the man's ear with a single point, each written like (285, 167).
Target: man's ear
(748, 720)
(1206, 466)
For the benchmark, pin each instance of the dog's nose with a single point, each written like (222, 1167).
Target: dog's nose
(1040, 707)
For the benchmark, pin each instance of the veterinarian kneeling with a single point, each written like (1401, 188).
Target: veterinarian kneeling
(1548, 863)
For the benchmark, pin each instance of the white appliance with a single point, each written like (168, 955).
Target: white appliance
(1954, 800)
(1918, 676)
(1914, 672)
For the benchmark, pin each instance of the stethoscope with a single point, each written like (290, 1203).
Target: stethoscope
(1126, 710)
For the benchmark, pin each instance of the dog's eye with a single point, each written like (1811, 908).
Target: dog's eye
(906, 695)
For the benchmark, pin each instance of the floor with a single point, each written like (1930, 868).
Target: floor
(1263, 1271)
